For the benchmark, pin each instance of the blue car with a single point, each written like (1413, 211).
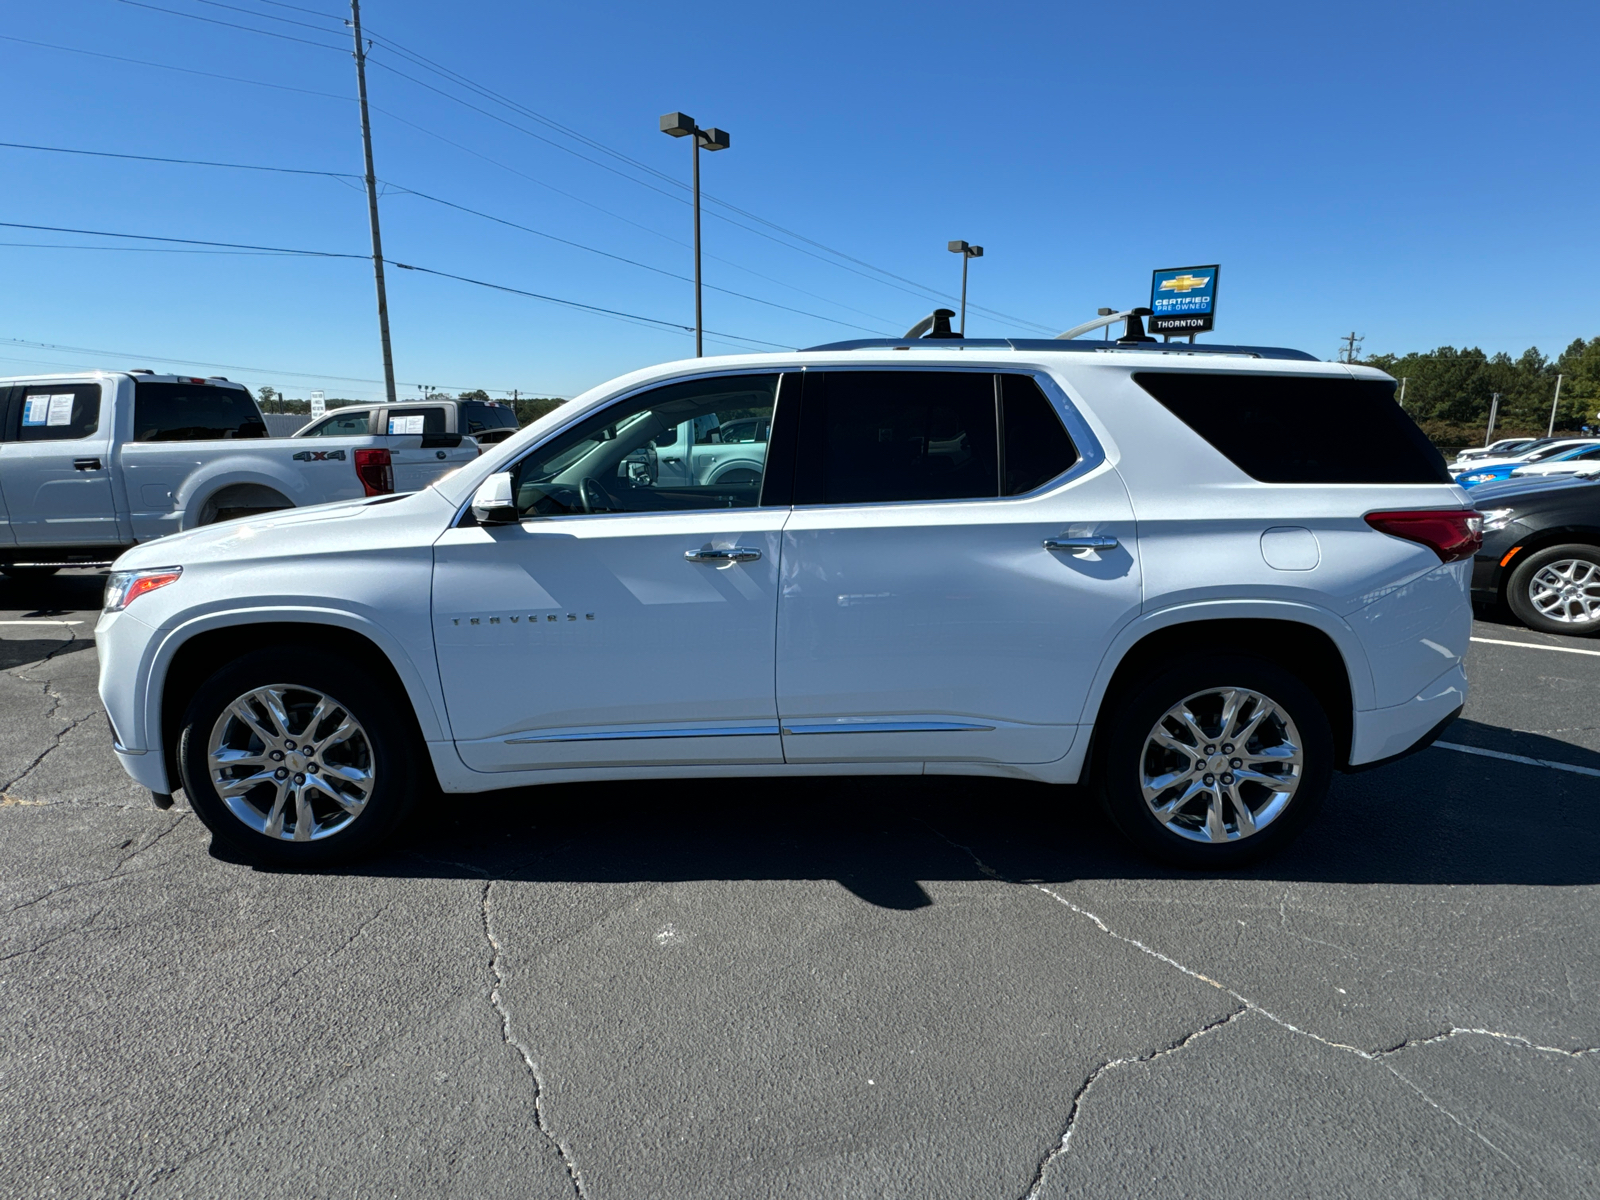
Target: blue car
(1493, 472)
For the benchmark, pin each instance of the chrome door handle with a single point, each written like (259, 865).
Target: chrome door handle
(735, 554)
(1097, 542)
(86, 464)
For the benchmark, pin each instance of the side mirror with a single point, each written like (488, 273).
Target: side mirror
(493, 502)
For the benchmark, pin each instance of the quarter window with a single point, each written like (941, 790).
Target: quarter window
(58, 412)
(1037, 446)
(660, 451)
(877, 436)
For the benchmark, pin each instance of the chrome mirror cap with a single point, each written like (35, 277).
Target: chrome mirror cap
(493, 503)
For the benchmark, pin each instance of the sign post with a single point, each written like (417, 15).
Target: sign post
(319, 405)
(1184, 300)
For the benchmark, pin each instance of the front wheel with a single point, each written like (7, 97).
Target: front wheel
(295, 756)
(1215, 761)
(1557, 590)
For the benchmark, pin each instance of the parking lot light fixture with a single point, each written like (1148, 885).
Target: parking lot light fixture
(968, 253)
(677, 124)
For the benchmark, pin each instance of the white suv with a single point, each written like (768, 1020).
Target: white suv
(1137, 566)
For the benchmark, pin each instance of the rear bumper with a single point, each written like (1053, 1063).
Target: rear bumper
(1382, 735)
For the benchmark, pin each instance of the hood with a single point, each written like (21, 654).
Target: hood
(275, 532)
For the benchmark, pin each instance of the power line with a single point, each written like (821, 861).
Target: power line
(610, 312)
(196, 162)
(144, 62)
(173, 12)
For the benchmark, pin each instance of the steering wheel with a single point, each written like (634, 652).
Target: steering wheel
(594, 495)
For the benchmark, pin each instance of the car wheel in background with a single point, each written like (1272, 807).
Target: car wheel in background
(1214, 761)
(1557, 590)
(296, 756)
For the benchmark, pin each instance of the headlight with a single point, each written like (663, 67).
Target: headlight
(1481, 477)
(1496, 518)
(124, 587)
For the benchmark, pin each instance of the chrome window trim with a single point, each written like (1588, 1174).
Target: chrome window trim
(850, 725)
(630, 735)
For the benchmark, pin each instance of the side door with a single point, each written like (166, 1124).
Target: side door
(55, 465)
(924, 614)
(628, 618)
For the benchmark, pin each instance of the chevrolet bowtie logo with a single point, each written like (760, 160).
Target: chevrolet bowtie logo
(1184, 283)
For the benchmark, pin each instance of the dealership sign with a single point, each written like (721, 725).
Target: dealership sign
(1183, 299)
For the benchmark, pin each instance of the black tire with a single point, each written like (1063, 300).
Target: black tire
(1525, 582)
(26, 573)
(387, 745)
(1126, 749)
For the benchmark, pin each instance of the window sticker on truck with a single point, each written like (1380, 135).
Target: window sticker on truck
(48, 410)
(319, 456)
(406, 424)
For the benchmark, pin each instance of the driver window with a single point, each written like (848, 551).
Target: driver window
(659, 451)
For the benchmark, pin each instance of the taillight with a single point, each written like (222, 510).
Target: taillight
(375, 471)
(1453, 534)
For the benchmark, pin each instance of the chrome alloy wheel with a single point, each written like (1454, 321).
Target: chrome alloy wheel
(1221, 765)
(284, 743)
(1567, 590)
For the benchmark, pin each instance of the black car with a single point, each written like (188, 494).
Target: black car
(1541, 551)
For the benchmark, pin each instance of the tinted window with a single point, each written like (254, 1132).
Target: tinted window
(1301, 428)
(478, 416)
(641, 454)
(1037, 446)
(415, 420)
(341, 424)
(189, 412)
(872, 436)
(58, 412)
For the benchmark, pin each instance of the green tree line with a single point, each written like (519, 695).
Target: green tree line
(1448, 391)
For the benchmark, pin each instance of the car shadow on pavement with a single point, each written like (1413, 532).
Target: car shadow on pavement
(1440, 817)
(70, 591)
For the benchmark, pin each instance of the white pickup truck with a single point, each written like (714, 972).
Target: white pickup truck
(94, 463)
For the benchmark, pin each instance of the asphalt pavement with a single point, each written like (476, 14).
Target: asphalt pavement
(830, 987)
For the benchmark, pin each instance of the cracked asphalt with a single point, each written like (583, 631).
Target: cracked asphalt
(843, 987)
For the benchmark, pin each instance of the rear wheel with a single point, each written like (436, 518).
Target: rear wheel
(1557, 590)
(1215, 761)
(296, 756)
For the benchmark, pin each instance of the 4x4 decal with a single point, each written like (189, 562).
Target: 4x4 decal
(318, 455)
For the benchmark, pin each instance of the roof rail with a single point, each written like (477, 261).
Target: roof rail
(1055, 346)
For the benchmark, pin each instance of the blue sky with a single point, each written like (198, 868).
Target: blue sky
(1420, 174)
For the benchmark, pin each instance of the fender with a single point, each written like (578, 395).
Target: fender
(258, 469)
(421, 686)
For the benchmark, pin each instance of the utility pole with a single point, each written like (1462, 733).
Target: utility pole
(1402, 393)
(1351, 347)
(1551, 431)
(1494, 409)
(372, 203)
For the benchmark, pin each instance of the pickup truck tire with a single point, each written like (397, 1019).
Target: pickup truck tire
(1557, 590)
(296, 756)
(1214, 761)
(241, 500)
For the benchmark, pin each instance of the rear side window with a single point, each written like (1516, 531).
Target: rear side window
(876, 436)
(479, 416)
(193, 412)
(1036, 447)
(1301, 428)
(416, 420)
(341, 425)
(58, 412)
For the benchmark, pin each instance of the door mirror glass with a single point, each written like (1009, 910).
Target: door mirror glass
(492, 503)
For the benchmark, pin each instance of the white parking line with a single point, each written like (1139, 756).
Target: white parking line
(1536, 646)
(41, 621)
(1518, 758)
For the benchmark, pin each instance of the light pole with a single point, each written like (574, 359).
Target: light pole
(968, 253)
(681, 125)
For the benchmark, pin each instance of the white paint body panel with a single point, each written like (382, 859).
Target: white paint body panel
(871, 618)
